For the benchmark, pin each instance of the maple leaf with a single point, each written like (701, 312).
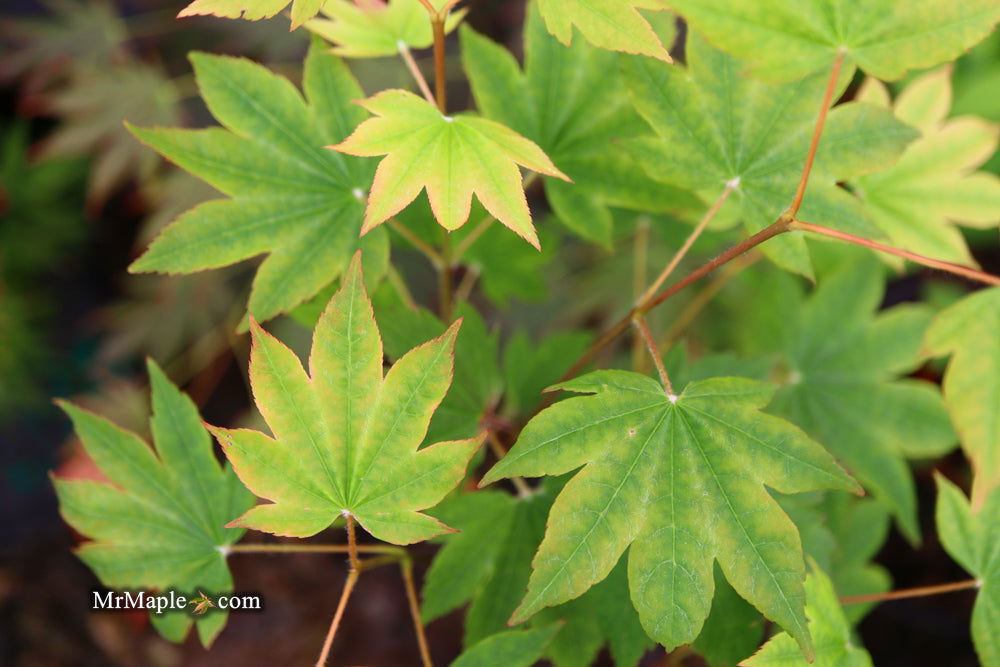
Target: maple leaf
(487, 562)
(476, 385)
(92, 107)
(159, 524)
(345, 437)
(609, 24)
(253, 10)
(288, 197)
(716, 129)
(453, 157)
(846, 390)
(969, 331)
(935, 181)
(514, 648)
(885, 38)
(971, 536)
(371, 29)
(829, 627)
(571, 102)
(679, 481)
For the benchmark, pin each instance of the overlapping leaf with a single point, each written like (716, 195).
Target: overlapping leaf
(608, 24)
(829, 627)
(452, 157)
(970, 331)
(288, 197)
(253, 10)
(373, 28)
(935, 182)
(717, 127)
(885, 38)
(346, 438)
(844, 388)
(160, 523)
(680, 480)
(488, 563)
(972, 537)
(571, 102)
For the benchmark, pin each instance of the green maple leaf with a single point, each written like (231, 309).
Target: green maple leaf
(969, 331)
(829, 627)
(369, 30)
(345, 438)
(717, 127)
(514, 648)
(885, 38)
(288, 197)
(487, 563)
(935, 182)
(571, 102)
(253, 10)
(609, 24)
(845, 389)
(160, 523)
(971, 536)
(680, 480)
(453, 157)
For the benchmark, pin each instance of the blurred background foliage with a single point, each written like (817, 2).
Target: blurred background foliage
(80, 198)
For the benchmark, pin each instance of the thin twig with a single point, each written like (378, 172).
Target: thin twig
(440, 81)
(396, 280)
(831, 86)
(919, 592)
(411, 64)
(640, 254)
(352, 543)
(423, 246)
(352, 578)
(647, 336)
(689, 241)
(466, 284)
(779, 226)
(446, 277)
(499, 451)
(485, 223)
(703, 298)
(406, 566)
(957, 269)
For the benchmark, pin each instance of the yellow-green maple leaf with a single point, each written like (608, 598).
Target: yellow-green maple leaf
(253, 10)
(615, 25)
(452, 157)
(935, 182)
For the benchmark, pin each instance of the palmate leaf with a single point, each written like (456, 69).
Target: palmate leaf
(160, 523)
(453, 157)
(288, 197)
(487, 563)
(608, 24)
(935, 181)
(571, 102)
(885, 38)
(972, 537)
(680, 480)
(346, 438)
(845, 389)
(970, 331)
(829, 627)
(253, 10)
(716, 126)
(371, 29)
